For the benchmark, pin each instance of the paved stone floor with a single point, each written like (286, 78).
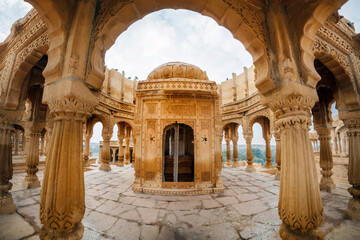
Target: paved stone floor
(246, 210)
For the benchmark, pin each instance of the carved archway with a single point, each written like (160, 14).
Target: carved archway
(315, 17)
(338, 64)
(246, 21)
(25, 61)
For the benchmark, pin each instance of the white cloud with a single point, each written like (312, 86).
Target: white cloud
(10, 11)
(177, 35)
(171, 35)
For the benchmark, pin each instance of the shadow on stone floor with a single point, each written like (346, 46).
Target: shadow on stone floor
(246, 210)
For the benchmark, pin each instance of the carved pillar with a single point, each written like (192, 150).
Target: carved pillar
(249, 153)
(23, 142)
(228, 151)
(133, 152)
(32, 157)
(127, 150)
(235, 151)
(6, 171)
(86, 151)
(343, 144)
(334, 143)
(127, 145)
(353, 125)
(278, 155)
(326, 160)
(338, 143)
(17, 140)
(105, 153)
(42, 144)
(268, 155)
(62, 203)
(113, 156)
(48, 136)
(120, 162)
(347, 144)
(300, 205)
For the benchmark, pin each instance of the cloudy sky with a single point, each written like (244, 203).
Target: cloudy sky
(171, 35)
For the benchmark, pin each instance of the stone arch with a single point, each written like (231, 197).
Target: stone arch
(338, 64)
(52, 14)
(25, 61)
(128, 122)
(253, 118)
(246, 21)
(95, 118)
(316, 18)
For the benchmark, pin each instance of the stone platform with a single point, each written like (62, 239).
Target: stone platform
(246, 210)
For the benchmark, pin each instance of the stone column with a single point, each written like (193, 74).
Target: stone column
(326, 160)
(42, 145)
(228, 151)
(86, 151)
(278, 155)
(249, 153)
(335, 145)
(235, 151)
(105, 153)
(339, 144)
(353, 125)
(6, 170)
(133, 152)
(32, 156)
(17, 139)
(113, 156)
(347, 145)
(13, 141)
(127, 150)
(127, 145)
(48, 136)
(343, 144)
(23, 142)
(62, 204)
(332, 133)
(300, 205)
(120, 162)
(268, 155)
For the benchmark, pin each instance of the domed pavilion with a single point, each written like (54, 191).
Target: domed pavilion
(178, 132)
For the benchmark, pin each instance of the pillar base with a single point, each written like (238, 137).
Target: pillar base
(236, 164)
(286, 233)
(277, 175)
(86, 164)
(105, 167)
(76, 234)
(250, 168)
(31, 182)
(228, 163)
(120, 164)
(327, 185)
(269, 165)
(353, 210)
(6, 201)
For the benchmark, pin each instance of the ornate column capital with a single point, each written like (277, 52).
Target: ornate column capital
(324, 133)
(292, 110)
(70, 107)
(248, 137)
(106, 136)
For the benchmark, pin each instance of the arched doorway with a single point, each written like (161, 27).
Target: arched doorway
(178, 153)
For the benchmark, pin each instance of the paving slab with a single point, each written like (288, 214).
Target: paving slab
(246, 210)
(13, 226)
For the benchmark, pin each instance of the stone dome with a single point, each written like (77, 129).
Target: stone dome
(177, 70)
